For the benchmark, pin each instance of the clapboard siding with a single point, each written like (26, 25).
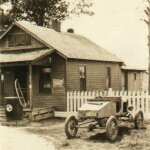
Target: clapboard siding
(95, 73)
(16, 30)
(134, 85)
(57, 97)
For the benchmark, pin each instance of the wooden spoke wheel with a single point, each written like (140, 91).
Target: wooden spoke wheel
(139, 119)
(112, 128)
(70, 127)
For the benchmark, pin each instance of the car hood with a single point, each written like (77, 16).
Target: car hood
(93, 106)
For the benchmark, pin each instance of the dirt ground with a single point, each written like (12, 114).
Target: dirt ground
(52, 130)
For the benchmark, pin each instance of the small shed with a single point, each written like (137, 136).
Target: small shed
(49, 63)
(133, 79)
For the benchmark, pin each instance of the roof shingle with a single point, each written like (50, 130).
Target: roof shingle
(70, 45)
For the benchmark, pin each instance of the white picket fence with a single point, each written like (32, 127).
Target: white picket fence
(139, 100)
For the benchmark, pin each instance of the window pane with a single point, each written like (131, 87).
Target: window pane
(134, 76)
(45, 80)
(82, 70)
(108, 78)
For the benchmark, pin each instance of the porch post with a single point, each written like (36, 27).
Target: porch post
(1, 88)
(30, 84)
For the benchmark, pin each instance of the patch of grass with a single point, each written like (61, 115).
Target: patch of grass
(128, 138)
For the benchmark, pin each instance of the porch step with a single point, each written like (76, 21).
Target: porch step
(41, 110)
(43, 116)
(42, 113)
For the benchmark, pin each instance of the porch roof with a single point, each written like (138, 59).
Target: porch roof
(22, 56)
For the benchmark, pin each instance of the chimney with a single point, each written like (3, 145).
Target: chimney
(56, 25)
(70, 30)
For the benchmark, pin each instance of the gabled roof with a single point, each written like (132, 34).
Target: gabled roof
(67, 44)
(22, 56)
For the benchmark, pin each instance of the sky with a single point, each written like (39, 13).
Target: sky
(117, 26)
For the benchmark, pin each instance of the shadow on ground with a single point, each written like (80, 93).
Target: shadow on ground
(101, 137)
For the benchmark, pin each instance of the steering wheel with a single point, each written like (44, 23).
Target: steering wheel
(20, 94)
(100, 94)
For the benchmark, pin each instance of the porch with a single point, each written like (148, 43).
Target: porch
(38, 74)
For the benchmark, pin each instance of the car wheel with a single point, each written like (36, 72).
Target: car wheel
(139, 119)
(70, 126)
(112, 128)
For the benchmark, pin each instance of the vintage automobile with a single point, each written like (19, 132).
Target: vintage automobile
(103, 113)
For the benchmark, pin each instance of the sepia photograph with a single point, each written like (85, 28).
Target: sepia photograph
(74, 75)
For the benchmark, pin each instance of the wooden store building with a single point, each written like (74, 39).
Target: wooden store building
(47, 64)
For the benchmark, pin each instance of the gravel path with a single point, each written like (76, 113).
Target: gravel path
(12, 138)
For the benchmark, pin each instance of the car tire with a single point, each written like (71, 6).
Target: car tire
(112, 128)
(70, 126)
(139, 119)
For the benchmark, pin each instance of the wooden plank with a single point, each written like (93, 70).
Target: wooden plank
(42, 111)
(43, 116)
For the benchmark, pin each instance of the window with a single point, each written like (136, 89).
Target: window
(45, 80)
(19, 40)
(135, 76)
(82, 71)
(108, 78)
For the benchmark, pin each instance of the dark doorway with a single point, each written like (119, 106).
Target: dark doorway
(21, 75)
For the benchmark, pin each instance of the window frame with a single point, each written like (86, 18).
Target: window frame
(108, 77)
(135, 76)
(20, 43)
(83, 80)
(41, 89)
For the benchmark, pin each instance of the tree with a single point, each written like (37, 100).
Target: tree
(147, 12)
(42, 12)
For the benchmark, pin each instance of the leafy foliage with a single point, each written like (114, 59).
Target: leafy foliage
(42, 12)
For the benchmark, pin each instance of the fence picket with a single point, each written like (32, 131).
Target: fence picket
(78, 101)
(75, 101)
(71, 101)
(68, 101)
(138, 100)
(142, 101)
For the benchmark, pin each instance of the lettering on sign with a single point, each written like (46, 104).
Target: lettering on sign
(19, 40)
